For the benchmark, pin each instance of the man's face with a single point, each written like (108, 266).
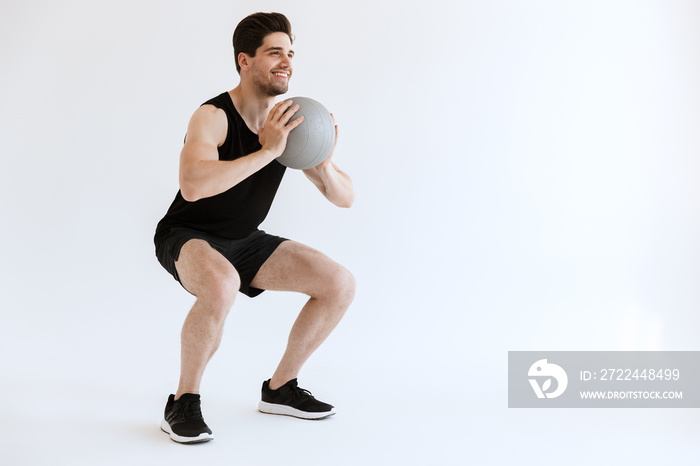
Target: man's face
(271, 67)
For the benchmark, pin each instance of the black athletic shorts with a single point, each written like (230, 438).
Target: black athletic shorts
(246, 255)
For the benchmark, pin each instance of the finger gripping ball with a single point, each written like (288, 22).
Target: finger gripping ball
(312, 141)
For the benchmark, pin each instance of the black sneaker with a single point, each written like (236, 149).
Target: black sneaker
(291, 400)
(183, 420)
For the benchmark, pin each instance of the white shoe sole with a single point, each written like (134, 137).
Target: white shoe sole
(284, 410)
(203, 437)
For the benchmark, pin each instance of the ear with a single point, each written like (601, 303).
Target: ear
(243, 61)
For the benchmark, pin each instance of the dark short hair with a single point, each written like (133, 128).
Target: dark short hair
(251, 32)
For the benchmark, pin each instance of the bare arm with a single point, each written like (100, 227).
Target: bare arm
(202, 174)
(333, 183)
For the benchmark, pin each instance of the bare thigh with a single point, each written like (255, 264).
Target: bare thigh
(297, 267)
(204, 271)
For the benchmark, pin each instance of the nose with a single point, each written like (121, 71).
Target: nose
(286, 62)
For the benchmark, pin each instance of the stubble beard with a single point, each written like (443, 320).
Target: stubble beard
(269, 89)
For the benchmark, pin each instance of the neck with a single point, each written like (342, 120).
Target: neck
(252, 106)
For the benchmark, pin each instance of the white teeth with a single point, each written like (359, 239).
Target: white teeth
(282, 75)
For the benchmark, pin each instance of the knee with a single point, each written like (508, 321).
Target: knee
(341, 286)
(221, 292)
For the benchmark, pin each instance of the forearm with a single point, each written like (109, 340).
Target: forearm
(335, 185)
(206, 178)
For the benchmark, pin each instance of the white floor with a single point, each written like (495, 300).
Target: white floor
(421, 426)
(91, 391)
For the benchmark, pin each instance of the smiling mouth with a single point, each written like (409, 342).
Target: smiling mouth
(281, 74)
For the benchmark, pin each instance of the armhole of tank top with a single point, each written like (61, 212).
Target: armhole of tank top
(223, 148)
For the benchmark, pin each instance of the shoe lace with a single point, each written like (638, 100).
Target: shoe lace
(299, 394)
(190, 410)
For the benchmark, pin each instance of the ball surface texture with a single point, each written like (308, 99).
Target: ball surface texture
(312, 141)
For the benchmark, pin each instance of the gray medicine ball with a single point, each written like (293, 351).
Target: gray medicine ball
(312, 141)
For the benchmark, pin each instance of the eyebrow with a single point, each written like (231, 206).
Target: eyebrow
(278, 48)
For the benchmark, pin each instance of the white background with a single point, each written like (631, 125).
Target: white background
(526, 180)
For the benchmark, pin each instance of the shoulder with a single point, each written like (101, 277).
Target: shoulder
(209, 112)
(208, 122)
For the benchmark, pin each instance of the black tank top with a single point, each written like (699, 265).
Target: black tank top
(235, 213)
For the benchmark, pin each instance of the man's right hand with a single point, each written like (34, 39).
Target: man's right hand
(274, 133)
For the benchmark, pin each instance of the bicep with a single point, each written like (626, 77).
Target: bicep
(205, 133)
